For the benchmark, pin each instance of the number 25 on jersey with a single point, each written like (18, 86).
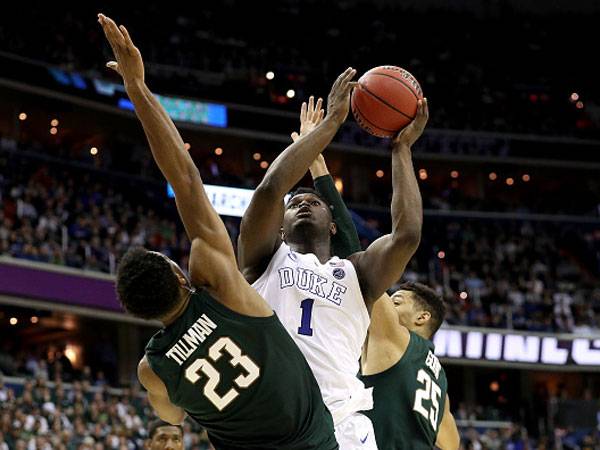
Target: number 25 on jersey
(429, 395)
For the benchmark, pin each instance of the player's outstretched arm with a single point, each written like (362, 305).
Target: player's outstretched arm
(384, 261)
(212, 259)
(345, 241)
(158, 396)
(448, 437)
(259, 232)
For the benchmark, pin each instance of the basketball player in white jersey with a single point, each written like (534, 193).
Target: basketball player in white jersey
(324, 302)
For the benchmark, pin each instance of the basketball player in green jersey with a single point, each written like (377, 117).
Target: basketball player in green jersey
(411, 407)
(222, 357)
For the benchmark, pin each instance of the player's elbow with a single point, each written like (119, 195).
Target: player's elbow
(270, 188)
(184, 181)
(448, 437)
(175, 417)
(407, 238)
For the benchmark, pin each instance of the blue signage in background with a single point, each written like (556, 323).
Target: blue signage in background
(193, 111)
(125, 103)
(68, 78)
(179, 109)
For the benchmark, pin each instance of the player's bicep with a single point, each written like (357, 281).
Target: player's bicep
(384, 323)
(218, 272)
(448, 437)
(158, 395)
(211, 266)
(387, 340)
(260, 232)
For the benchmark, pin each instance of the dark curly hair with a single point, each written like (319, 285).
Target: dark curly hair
(146, 284)
(307, 190)
(430, 301)
(158, 423)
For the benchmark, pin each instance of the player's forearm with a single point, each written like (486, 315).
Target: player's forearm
(407, 205)
(318, 168)
(165, 141)
(293, 163)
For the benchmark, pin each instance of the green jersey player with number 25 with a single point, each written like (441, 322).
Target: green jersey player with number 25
(222, 357)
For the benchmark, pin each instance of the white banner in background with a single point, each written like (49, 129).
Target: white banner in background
(227, 201)
(501, 346)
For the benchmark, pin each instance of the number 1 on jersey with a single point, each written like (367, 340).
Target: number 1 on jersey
(307, 306)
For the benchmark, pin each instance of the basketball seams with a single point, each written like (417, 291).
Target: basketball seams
(366, 123)
(406, 85)
(382, 107)
(389, 105)
(406, 74)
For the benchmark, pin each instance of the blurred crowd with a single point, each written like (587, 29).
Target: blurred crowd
(512, 274)
(41, 413)
(52, 415)
(537, 276)
(477, 81)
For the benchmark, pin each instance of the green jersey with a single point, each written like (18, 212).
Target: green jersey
(409, 399)
(242, 378)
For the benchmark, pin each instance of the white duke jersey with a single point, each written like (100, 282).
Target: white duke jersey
(322, 307)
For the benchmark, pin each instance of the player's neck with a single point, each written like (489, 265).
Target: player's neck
(421, 331)
(321, 249)
(172, 317)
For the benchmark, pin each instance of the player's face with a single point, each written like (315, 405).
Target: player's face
(405, 307)
(166, 438)
(306, 209)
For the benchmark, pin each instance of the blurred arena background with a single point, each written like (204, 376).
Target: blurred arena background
(508, 170)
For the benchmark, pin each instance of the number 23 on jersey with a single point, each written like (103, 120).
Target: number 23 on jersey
(202, 366)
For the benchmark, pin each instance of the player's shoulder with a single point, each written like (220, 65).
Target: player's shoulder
(417, 345)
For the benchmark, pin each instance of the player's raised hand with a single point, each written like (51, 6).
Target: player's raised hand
(128, 62)
(338, 101)
(311, 115)
(409, 135)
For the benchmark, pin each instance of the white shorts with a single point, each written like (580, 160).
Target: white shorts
(356, 432)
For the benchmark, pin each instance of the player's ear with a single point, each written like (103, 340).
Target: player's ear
(332, 228)
(182, 280)
(282, 234)
(423, 317)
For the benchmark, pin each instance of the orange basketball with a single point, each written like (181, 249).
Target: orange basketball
(385, 101)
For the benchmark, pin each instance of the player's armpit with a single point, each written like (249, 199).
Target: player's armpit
(158, 396)
(448, 437)
(216, 270)
(383, 262)
(259, 235)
